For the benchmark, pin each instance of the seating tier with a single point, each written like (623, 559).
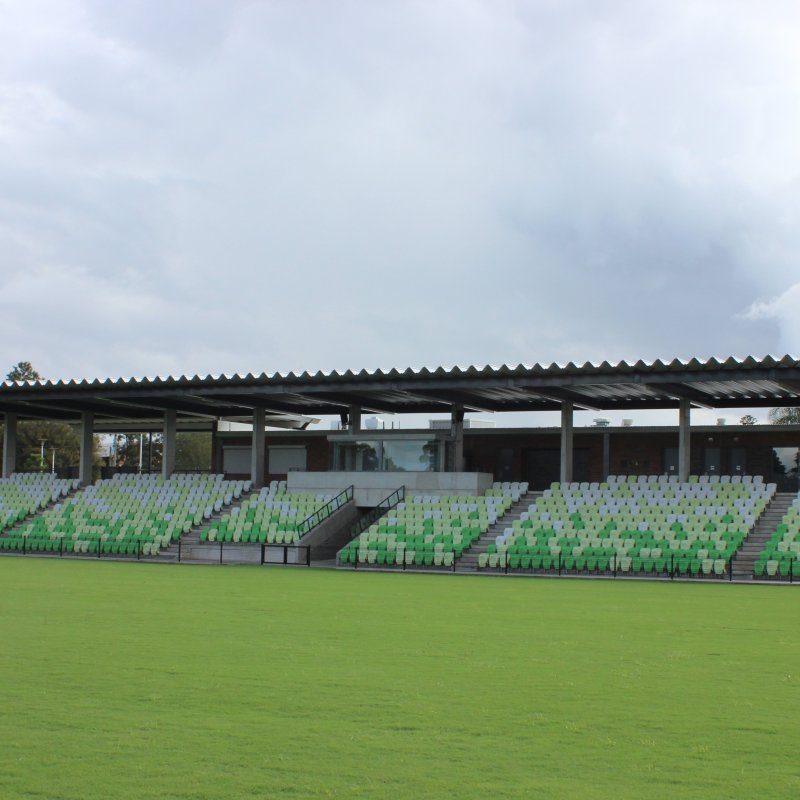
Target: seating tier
(428, 530)
(128, 514)
(273, 515)
(650, 525)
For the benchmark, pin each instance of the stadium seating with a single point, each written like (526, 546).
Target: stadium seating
(780, 557)
(27, 493)
(273, 515)
(430, 530)
(635, 524)
(127, 515)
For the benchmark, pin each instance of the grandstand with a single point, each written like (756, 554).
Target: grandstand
(273, 515)
(673, 502)
(24, 494)
(127, 515)
(634, 524)
(430, 531)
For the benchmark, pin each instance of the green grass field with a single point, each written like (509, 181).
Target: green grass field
(148, 681)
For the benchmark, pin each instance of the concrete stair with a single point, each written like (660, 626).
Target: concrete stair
(193, 537)
(765, 526)
(469, 561)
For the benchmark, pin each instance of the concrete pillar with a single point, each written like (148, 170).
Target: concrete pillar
(355, 419)
(169, 445)
(258, 451)
(10, 445)
(87, 448)
(567, 408)
(684, 441)
(606, 455)
(457, 429)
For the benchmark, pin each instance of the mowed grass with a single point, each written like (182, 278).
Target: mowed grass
(146, 681)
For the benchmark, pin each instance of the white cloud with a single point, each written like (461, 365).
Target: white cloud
(784, 310)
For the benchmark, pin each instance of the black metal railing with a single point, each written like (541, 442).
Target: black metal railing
(321, 514)
(373, 515)
(566, 566)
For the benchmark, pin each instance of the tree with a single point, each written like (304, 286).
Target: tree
(748, 419)
(37, 439)
(23, 371)
(785, 416)
(133, 449)
(193, 452)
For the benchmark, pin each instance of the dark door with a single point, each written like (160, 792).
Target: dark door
(544, 467)
(671, 460)
(738, 461)
(581, 465)
(505, 464)
(712, 461)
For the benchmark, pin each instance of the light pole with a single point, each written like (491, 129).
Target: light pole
(53, 469)
(44, 442)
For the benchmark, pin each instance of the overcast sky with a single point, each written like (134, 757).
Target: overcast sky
(202, 186)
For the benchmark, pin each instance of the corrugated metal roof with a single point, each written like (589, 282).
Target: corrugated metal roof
(570, 368)
(715, 382)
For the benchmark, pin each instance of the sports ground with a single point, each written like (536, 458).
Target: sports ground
(125, 680)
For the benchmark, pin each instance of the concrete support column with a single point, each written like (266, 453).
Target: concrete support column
(216, 450)
(606, 455)
(684, 441)
(567, 408)
(258, 451)
(354, 419)
(169, 446)
(10, 445)
(457, 429)
(87, 448)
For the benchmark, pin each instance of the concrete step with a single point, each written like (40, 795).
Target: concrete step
(747, 554)
(193, 536)
(469, 560)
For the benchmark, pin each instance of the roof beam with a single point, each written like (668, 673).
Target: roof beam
(27, 411)
(346, 400)
(564, 395)
(793, 387)
(250, 401)
(448, 398)
(683, 392)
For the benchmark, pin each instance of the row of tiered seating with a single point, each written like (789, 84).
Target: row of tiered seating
(429, 530)
(781, 554)
(633, 524)
(26, 493)
(273, 515)
(127, 515)
(510, 489)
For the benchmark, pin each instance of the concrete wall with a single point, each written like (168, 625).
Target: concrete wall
(372, 487)
(331, 535)
(234, 553)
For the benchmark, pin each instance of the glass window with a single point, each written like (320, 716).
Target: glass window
(411, 456)
(401, 455)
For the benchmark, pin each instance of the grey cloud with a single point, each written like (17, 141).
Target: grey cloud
(277, 185)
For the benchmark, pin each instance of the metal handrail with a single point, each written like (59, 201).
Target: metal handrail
(387, 504)
(325, 511)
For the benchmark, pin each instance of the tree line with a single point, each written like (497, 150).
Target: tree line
(43, 444)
